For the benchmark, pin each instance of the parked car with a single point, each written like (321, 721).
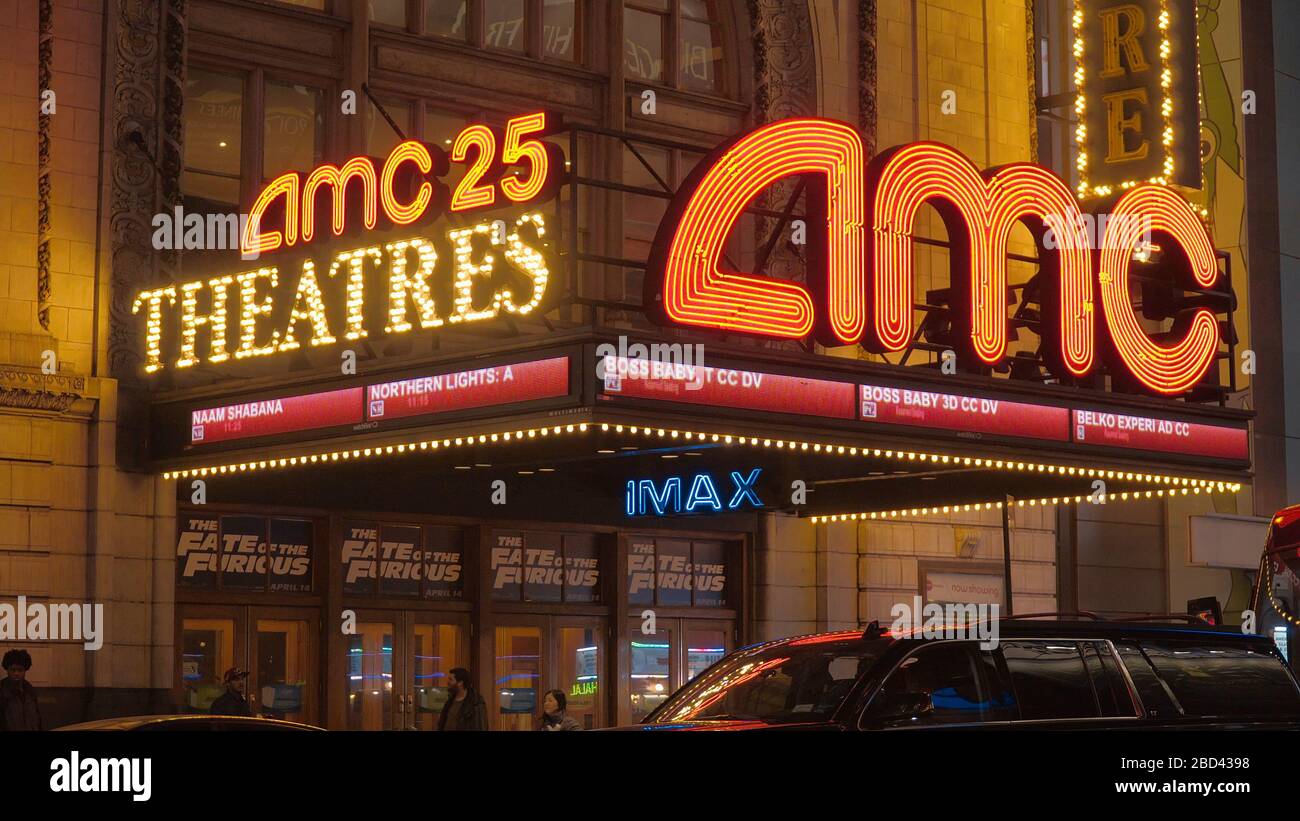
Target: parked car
(1057, 674)
(190, 723)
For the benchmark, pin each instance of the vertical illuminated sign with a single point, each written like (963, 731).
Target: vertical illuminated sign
(1137, 104)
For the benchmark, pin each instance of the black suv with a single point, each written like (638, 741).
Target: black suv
(1056, 674)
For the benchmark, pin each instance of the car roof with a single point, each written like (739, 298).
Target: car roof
(135, 722)
(1048, 627)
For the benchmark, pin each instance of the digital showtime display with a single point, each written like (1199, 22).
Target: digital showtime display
(462, 390)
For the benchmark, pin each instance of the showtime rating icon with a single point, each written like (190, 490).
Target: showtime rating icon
(376, 408)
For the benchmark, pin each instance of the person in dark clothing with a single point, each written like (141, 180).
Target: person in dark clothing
(553, 716)
(465, 709)
(19, 709)
(232, 702)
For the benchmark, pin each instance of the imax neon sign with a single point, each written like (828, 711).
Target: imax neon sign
(861, 262)
(648, 497)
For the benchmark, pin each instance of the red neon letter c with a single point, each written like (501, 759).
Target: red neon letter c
(1164, 369)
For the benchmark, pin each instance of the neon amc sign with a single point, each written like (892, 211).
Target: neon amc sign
(861, 264)
(493, 267)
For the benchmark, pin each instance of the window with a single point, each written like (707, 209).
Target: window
(559, 29)
(294, 132)
(540, 28)
(504, 25)
(380, 136)
(214, 107)
(402, 560)
(518, 676)
(1225, 681)
(936, 685)
(1054, 83)
(1113, 696)
(207, 651)
(581, 656)
(794, 681)
(218, 103)
(1050, 680)
(687, 32)
(388, 12)
(446, 18)
(544, 567)
(676, 573)
(1157, 699)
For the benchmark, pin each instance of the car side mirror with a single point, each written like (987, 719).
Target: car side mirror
(905, 705)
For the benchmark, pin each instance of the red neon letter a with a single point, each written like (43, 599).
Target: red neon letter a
(684, 281)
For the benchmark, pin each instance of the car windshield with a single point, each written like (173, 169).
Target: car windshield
(799, 680)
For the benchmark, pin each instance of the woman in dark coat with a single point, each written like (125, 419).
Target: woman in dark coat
(553, 715)
(19, 709)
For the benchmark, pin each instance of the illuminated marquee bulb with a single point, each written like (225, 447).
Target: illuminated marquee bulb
(686, 281)
(356, 287)
(153, 323)
(530, 261)
(466, 270)
(215, 320)
(250, 308)
(402, 284)
(337, 179)
(309, 305)
(1168, 369)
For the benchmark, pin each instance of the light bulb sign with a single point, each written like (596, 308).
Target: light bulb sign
(698, 493)
(477, 271)
(861, 277)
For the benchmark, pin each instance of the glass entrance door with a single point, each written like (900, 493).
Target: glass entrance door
(284, 667)
(279, 647)
(208, 648)
(398, 666)
(664, 660)
(538, 654)
(436, 644)
(370, 675)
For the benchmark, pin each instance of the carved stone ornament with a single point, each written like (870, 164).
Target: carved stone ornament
(30, 389)
(147, 89)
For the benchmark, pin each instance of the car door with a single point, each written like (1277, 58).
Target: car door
(939, 684)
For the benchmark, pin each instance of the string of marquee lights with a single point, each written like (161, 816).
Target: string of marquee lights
(512, 435)
(1086, 189)
(1102, 498)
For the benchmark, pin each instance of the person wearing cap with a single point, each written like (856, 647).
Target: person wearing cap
(18, 707)
(232, 702)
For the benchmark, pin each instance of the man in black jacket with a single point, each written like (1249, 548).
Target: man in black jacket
(465, 710)
(232, 702)
(18, 707)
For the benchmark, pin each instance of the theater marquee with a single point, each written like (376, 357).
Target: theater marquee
(466, 274)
